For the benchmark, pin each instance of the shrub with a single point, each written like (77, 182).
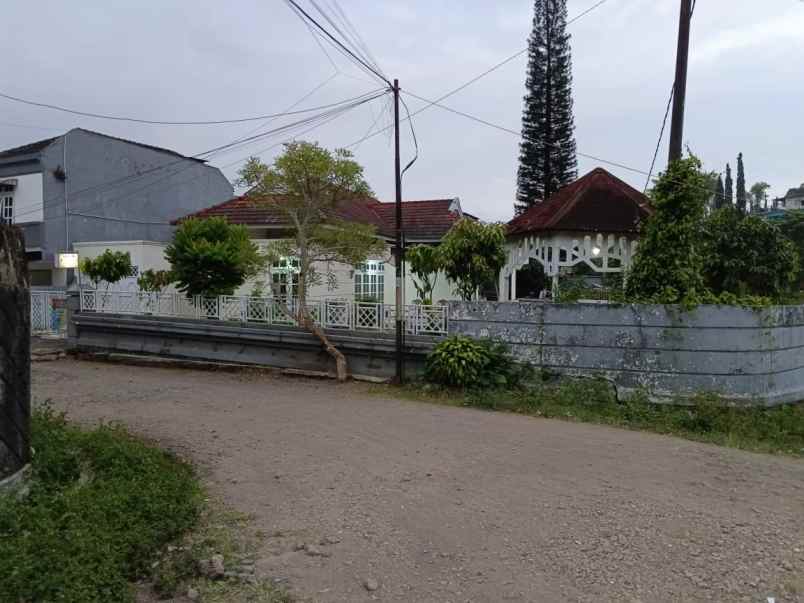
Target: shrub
(472, 364)
(154, 281)
(746, 255)
(472, 254)
(101, 504)
(109, 267)
(212, 257)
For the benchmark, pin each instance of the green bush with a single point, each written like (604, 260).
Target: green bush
(746, 255)
(109, 267)
(472, 364)
(101, 504)
(212, 257)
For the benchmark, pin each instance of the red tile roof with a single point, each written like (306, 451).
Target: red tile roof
(421, 220)
(596, 202)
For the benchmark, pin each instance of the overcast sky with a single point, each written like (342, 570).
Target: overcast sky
(206, 60)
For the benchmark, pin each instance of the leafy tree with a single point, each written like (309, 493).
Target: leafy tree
(109, 267)
(720, 194)
(547, 158)
(211, 257)
(741, 194)
(424, 262)
(154, 281)
(759, 195)
(472, 254)
(793, 228)
(746, 255)
(306, 184)
(729, 191)
(668, 265)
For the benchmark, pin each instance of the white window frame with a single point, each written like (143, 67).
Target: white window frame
(370, 281)
(6, 205)
(285, 273)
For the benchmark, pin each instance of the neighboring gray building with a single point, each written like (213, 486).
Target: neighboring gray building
(84, 186)
(794, 199)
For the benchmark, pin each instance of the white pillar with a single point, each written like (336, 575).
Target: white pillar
(555, 285)
(513, 284)
(502, 285)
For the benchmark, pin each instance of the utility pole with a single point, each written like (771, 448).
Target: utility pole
(399, 252)
(680, 86)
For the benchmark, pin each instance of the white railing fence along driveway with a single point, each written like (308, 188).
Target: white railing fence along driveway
(48, 312)
(327, 313)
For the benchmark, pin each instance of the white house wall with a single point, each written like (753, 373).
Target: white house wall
(145, 255)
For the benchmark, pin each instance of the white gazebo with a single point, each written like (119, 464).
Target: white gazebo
(594, 220)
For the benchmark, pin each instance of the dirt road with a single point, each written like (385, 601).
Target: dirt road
(448, 504)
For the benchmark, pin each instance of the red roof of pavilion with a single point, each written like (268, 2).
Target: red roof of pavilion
(596, 202)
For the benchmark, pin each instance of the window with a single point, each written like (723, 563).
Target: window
(285, 277)
(370, 281)
(6, 204)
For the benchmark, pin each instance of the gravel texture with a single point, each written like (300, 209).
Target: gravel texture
(362, 498)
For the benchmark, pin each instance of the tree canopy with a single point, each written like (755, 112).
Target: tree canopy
(472, 254)
(212, 257)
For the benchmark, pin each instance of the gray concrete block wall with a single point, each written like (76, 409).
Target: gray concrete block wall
(742, 354)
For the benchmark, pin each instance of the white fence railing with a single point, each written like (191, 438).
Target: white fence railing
(48, 312)
(327, 313)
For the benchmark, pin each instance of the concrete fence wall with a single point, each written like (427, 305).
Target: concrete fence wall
(742, 354)
(368, 354)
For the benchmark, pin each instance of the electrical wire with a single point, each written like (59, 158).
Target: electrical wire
(166, 123)
(209, 153)
(413, 134)
(491, 69)
(338, 43)
(661, 135)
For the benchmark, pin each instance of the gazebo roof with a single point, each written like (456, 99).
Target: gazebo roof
(597, 202)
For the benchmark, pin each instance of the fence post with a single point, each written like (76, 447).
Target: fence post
(15, 359)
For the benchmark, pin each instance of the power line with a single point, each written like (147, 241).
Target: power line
(661, 135)
(166, 123)
(337, 42)
(516, 133)
(491, 69)
(209, 153)
(415, 140)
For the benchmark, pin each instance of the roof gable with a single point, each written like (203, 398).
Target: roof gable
(27, 149)
(596, 202)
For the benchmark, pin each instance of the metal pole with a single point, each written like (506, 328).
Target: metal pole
(398, 248)
(680, 90)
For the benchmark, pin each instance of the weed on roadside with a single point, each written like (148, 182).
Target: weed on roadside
(705, 418)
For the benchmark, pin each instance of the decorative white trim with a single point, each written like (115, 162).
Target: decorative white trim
(603, 253)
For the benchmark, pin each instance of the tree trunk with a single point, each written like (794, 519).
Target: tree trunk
(304, 319)
(15, 353)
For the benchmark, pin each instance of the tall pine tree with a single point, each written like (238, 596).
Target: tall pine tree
(741, 196)
(729, 196)
(547, 152)
(720, 194)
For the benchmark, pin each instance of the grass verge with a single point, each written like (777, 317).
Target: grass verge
(777, 430)
(102, 506)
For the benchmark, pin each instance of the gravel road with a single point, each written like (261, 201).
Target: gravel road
(404, 501)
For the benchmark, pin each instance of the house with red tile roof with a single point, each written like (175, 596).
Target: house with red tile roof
(593, 221)
(423, 221)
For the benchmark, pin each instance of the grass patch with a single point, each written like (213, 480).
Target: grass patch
(102, 506)
(776, 430)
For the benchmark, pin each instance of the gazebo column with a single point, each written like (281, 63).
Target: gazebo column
(513, 284)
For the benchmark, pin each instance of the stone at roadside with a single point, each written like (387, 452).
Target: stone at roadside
(314, 551)
(213, 568)
(193, 594)
(371, 584)
(329, 540)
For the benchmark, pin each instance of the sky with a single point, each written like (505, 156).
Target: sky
(173, 60)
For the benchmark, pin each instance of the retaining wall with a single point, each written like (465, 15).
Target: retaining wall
(742, 354)
(368, 354)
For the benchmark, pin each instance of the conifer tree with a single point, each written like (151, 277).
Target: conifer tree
(741, 196)
(547, 158)
(720, 194)
(728, 198)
